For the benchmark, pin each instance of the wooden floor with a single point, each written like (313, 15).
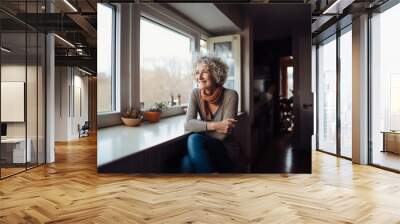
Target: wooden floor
(10, 171)
(387, 159)
(70, 191)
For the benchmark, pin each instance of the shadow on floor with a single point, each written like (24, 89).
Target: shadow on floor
(281, 157)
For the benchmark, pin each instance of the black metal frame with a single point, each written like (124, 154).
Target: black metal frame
(44, 77)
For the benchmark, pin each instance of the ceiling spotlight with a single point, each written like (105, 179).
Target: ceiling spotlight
(5, 50)
(337, 7)
(84, 71)
(65, 41)
(70, 5)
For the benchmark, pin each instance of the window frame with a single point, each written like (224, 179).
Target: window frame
(371, 14)
(170, 110)
(336, 36)
(235, 40)
(115, 99)
(165, 17)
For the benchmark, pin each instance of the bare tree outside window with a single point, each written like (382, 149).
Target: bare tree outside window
(105, 58)
(165, 64)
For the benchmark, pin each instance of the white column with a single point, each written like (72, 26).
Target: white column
(50, 99)
(360, 90)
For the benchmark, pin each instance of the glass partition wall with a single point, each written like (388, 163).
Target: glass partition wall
(385, 89)
(334, 94)
(22, 77)
(327, 79)
(345, 91)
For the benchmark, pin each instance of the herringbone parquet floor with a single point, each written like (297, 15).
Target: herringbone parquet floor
(70, 191)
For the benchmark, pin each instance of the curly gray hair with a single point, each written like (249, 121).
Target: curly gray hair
(217, 67)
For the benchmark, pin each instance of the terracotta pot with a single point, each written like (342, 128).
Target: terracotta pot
(152, 116)
(131, 122)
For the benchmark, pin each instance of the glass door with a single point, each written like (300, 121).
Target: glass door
(326, 99)
(384, 113)
(345, 59)
(22, 78)
(15, 149)
(334, 94)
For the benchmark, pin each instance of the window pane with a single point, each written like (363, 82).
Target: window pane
(165, 64)
(203, 46)
(385, 87)
(32, 98)
(346, 94)
(41, 99)
(327, 97)
(13, 85)
(105, 58)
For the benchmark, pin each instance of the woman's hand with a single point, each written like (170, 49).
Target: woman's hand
(224, 126)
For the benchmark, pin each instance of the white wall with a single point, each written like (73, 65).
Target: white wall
(70, 83)
(12, 73)
(33, 126)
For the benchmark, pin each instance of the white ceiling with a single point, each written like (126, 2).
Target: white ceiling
(208, 16)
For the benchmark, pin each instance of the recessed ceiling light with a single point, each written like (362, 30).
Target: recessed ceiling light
(70, 5)
(84, 71)
(64, 40)
(5, 50)
(337, 7)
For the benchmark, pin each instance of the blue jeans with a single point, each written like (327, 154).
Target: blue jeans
(205, 155)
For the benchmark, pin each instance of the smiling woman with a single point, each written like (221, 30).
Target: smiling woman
(209, 146)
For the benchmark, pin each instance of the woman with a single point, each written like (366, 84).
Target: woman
(217, 107)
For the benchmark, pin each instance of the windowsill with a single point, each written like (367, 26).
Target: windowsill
(120, 141)
(108, 113)
(173, 111)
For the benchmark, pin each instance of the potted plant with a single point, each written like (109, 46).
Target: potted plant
(132, 117)
(154, 113)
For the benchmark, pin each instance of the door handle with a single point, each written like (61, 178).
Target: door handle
(307, 105)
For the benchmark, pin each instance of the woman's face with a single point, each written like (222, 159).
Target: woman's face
(204, 77)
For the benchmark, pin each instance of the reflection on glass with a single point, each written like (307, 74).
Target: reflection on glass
(385, 84)
(289, 72)
(327, 97)
(105, 62)
(346, 94)
(165, 64)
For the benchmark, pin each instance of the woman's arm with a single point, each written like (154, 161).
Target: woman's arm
(192, 124)
(229, 113)
(231, 107)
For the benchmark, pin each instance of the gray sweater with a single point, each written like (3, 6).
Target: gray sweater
(227, 109)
